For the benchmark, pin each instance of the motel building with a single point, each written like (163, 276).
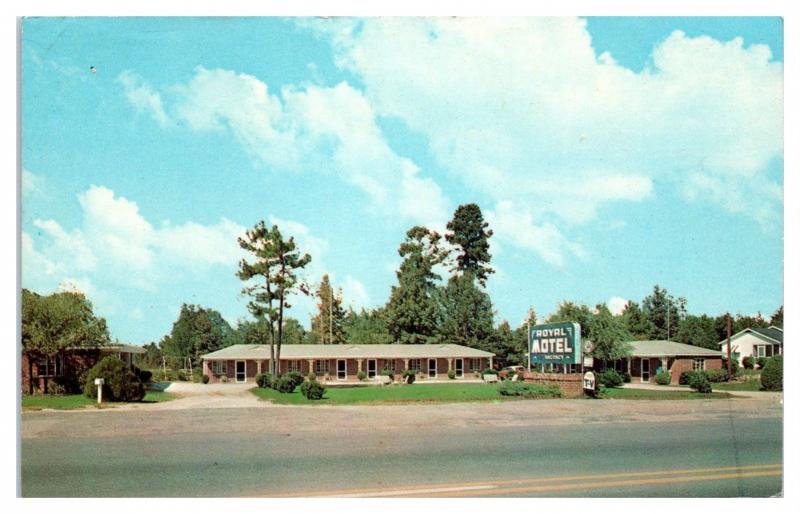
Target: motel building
(649, 357)
(340, 363)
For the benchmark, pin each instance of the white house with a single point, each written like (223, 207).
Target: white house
(755, 342)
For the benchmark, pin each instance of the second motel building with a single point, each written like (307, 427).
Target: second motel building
(342, 362)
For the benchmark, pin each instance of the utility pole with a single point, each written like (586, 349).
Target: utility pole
(728, 324)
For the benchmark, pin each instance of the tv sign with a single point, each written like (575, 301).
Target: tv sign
(555, 343)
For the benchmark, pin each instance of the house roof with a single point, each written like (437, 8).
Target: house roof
(347, 351)
(772, 335)
(123, 348)
(669, 349)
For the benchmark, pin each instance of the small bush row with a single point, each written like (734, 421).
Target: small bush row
(528, 390)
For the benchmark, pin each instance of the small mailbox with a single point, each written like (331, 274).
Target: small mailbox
(99, 383)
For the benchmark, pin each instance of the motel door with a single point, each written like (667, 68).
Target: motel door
(432, 368)
(341, 369)
(372, 368)
(459, 367)
(240, 371)
(645, 370)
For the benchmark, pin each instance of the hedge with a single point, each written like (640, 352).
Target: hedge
(609, 378)
(528, 390)
(121, 383)
(772, 374)
(663, 377)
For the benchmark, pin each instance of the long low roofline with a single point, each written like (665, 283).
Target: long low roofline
(347, 351)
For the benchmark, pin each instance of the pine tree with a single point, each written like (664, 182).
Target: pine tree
(330, 315)
(413, 314)
(636, 322)
(664, 312)
(777, 318)
(469, 234)
(276, 263)
(468, 318)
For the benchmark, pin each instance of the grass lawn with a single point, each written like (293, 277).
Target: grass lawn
(415, 393)
(79, 401)
(648, 394)
(749, 385)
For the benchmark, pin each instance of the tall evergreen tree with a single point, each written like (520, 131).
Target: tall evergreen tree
(330, 315)
(468, 318)
(277, 261)
(636, 322)
(664, 312)
(469, 233)
(776, 320)
(412, 314)
(698, 331)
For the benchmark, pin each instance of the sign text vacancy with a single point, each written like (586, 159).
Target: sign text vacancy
(555, 343)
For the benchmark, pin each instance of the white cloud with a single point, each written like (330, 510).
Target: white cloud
(354, 293)
(115, 241)
(332, 129)
(142, 96)
(515, 224)
(526, 111)
(616, 305)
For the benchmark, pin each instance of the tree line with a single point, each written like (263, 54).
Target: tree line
(422, 308)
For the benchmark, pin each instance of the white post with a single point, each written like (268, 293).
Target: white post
(99, 383)
(359, 364)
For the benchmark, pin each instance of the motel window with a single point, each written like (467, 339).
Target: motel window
(389, 364)
(699, 364)
(414, 364)
(475, 365)
(294, 366)
(49, 366)
(219, 367)
(322, 367)
(761, 351)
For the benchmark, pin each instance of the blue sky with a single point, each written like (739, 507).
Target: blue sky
(608, 155)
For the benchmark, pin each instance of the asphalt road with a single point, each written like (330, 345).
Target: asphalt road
(722, 456)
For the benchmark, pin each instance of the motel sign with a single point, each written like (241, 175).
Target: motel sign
(555, 343)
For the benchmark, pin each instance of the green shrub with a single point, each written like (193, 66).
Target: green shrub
(717, 375)
(295, 377)
(205, 379)
(609, 378)
(361, 376)
(734, 365)
(264, 380)
(699, 382)
(760, 362)
(121, 383)
(145, 375)
(451, 374)
(489, 371)
(748, 362)
(663, 377)
(312, 390)
(284, 384)
(409, 376)
(527, 390)
(687, 376)
(312, 376)
(55, 386)
(386, 372)
(626, 377)
(772, 374)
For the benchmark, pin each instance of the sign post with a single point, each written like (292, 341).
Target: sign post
(555, 343)
(99, 383)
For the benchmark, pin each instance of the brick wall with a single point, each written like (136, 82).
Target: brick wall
(571, 384)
